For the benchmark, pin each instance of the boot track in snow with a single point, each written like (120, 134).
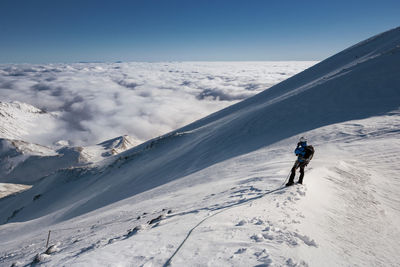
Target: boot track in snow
(240, 203)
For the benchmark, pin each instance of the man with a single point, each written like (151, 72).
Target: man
(304, 154)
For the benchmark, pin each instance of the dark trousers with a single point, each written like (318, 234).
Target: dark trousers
(297, 165)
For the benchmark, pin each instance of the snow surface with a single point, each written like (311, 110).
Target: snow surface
(211, 192)
(23, 162)
(7, 188)
(22, 121)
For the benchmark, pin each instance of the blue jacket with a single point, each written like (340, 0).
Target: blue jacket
(300, 151)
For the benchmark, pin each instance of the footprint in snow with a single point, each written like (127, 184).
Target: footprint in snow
(282, 235)
(241, 251)
(306, 239)
(257, 237)
(133, 231)
(262, 256)
(301, 191)
(289, 198)
(268, 236)
(241, 223)
(257, 221)
(292, 263)
(157, 219)
(261, 253)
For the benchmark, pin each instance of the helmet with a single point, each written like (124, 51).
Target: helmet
(302, 139)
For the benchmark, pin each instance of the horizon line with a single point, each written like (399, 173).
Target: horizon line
(155, 61)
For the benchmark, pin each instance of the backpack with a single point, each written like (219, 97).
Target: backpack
(309, 152)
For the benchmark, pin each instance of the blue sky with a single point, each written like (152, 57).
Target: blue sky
(43, 31)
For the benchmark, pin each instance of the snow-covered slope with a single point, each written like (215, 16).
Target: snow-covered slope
(26, 163)
(20, 120)
(202, 195)
(7, 189)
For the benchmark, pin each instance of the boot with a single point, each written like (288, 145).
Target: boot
(291, 178)
(290, 183)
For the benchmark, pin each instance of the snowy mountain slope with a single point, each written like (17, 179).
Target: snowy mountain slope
(26, 163)
(9, 189)
(233, 155)
(21, 161)
(22, 121)
(346, 214)
(357, 83)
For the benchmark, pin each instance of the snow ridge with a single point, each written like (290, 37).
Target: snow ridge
(18, 120)
(171, 188)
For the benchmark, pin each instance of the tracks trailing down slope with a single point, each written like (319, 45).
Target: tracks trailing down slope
(220, 210)
(359, 82)
(202, 169)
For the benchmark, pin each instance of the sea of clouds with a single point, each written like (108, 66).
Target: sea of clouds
(94, 102)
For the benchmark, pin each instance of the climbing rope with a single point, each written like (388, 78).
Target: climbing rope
(168, 262)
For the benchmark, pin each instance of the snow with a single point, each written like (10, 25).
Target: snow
(211, 193)
(22, 121)
(8, 189)
(24, 162)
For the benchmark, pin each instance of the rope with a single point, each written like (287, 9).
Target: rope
(168, 262)
(287, 177)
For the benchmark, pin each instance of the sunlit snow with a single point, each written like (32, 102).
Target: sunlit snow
(212, 193)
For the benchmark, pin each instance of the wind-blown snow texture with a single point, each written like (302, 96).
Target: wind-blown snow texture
(203, 192)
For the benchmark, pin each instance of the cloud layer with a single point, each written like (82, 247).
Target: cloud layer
(99, 101)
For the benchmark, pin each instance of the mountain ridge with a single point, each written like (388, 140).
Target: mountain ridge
(258, 122)
(152, 195)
